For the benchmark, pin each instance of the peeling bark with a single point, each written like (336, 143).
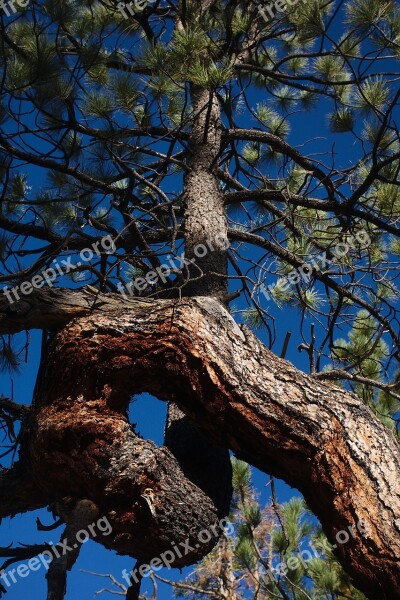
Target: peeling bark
(321, 439)
(84, 447)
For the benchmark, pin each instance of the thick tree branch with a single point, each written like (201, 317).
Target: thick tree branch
(321, 439)
(51, 308)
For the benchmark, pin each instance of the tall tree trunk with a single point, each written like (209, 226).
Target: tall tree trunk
(206, 243)
(319, 438)
(206, 238)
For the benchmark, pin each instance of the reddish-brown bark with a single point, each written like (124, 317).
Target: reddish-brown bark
(319, 438)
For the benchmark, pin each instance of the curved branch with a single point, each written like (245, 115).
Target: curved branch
(296, 262)
(321, 439)
(254, 135)
(338, 208)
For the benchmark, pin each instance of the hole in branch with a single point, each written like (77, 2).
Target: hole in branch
(148, 415)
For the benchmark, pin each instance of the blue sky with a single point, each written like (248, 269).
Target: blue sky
(311, 131)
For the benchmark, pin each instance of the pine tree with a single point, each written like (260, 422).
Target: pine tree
(168, 168)
(278, 551)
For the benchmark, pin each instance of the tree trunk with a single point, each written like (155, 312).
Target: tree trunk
(206, 238)
(321, 439)
(206, 243)
(206, 465)
(82, 446)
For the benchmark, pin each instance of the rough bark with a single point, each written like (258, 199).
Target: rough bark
(320, 439)
(208, 466)
(206, 238)
(84, 447)
(206, 243)
(87, 450)
(50, 309)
